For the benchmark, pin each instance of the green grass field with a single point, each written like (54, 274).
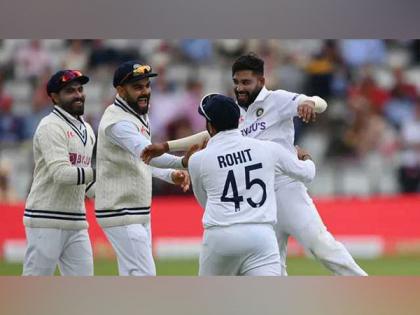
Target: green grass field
(296, 266)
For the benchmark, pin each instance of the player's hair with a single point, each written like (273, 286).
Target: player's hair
(251, 62)
(225, 124)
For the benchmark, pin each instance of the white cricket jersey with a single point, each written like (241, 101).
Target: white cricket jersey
(270, 117)
(233, 178)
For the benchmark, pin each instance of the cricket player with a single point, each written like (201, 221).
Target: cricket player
(233, 180)
(55, 215)
(124, 181)
(268, 115)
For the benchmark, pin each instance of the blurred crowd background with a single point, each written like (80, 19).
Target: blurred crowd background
(368, 141)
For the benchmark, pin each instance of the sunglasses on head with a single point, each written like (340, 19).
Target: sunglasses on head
(70, 75)
(140, 70)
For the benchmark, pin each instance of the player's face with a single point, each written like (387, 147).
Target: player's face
(137, 95)
(71, 98)
(247, 85)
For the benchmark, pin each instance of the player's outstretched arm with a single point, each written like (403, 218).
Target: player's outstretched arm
(179, 178)
(299, 167)
(183, 144)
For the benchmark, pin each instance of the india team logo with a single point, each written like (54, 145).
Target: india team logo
(260, 111)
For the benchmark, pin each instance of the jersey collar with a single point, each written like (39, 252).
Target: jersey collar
(222, 134)
(120, 102)
(262, 95)
(77, 124)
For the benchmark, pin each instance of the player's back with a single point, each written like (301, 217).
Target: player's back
(237, 174)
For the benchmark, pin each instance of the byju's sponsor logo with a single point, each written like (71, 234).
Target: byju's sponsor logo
(253, 128)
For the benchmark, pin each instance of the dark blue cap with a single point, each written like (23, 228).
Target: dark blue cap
(221, 111)
(63, 77)
(132, 71)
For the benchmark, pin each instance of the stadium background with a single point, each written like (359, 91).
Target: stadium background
(366, 146)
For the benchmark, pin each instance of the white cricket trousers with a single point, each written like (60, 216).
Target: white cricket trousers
(297, 216)
(240, 250)
(70, 249)
(133, 246)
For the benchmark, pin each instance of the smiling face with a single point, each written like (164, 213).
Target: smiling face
(137, 95)
(71, 98)
(247, 86)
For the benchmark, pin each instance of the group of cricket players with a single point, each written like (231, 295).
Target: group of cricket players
(244, 169)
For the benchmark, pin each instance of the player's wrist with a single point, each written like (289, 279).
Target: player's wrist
(166, 146)
(306, 157)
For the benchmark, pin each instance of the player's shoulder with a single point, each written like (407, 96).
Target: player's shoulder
(253, 141)
(50, 122)
(284, 94)
(48, 128)
(194, 163)
(199, 155)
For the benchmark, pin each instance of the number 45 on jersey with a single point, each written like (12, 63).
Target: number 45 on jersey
(236, 198)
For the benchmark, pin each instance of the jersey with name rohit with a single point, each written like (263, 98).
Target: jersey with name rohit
(233, 178)
(63, 148)
(270, 117)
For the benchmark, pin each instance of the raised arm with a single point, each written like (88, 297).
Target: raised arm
(126, 135)
(183, 144)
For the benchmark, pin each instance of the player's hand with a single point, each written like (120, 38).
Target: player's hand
(154, 150)
(306, 111)
(190, 152)
(182, 179)
(303, 154)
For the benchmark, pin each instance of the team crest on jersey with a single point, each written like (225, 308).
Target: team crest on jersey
(260, 111)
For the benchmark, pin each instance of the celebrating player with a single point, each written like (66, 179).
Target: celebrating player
(233, 180)
(124, 182)
(55, 215)
(268, 115)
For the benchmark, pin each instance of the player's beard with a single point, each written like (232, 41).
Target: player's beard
(249, 99)
(134, 104)
(73, 107)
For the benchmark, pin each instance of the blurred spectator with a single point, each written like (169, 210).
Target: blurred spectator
(100, 55)
(11, 125)
(197, 50)
(361, 52)
(368, 130)
(409, 172)
(415, 51)
(230, 49)
(188, 104)
(367, 88)
(163, 105)
(32, 60)
(76, 56)
(320, 72)
(400, 106)
(178, 128)
(7, 193)
(290, 76)
(40, 106)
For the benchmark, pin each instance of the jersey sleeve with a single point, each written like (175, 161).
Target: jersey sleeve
(194, 168)
(289, 164)
(52, 143)
(126, 135)
(163, 174)
(286, 103)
